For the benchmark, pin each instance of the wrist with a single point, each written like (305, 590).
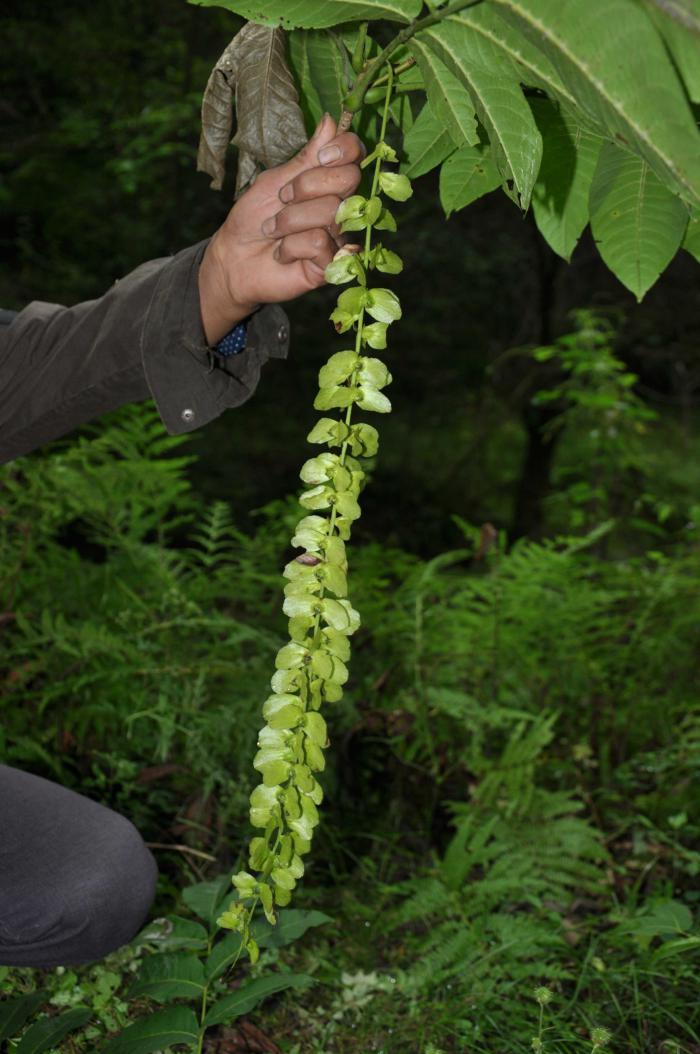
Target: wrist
(221, 309)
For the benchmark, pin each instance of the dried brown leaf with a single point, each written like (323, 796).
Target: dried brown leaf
(217, 116)
(270, 126)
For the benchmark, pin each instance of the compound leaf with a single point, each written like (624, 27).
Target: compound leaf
(534, 68)
(492, 81)
(613, 61)
(447, 97)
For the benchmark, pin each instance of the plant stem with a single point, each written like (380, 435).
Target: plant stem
(407, 64)
(203, 1014)
(366, 252)
(353, 102)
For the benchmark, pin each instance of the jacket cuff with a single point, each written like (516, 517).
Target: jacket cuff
(190, 383)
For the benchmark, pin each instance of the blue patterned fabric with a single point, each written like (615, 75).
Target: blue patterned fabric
(234, 342)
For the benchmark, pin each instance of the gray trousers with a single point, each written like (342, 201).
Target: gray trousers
(76, 880)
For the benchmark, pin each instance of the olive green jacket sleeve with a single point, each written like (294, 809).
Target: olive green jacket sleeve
(63, 366)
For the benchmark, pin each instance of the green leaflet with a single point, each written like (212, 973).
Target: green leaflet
(175, 934)
(492, 81)
(447, 98)
(402, 113)
(14, 1012)
(465, 176)
(560, 197)
(691, 242)
(638, 224)
(533, 67)
(156, 1032)
(168, 976)
(204, 898)
(684, 48)
(291, 925)
(223, 955)
(317, 14)
(318, 68)
(47, 1032)
(611, 58)
(426, 145)
(246, 998)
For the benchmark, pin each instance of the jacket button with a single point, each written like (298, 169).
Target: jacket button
(187, 416)
(282, 334)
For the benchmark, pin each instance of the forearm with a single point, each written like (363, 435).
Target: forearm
(61, 367)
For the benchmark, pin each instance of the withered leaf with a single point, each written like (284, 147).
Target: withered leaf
(270, 124)
(217, 116)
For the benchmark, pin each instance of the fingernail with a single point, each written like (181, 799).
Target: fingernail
(287, 193)
(329, 154)
(269, 225)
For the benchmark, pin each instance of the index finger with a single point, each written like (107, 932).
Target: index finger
(345, 149)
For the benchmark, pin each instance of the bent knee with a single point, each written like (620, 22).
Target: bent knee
(120, 891)
(91, 907)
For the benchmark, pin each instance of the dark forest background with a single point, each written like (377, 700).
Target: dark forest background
(100, 118)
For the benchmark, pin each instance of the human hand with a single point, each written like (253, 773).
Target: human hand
(281, 234)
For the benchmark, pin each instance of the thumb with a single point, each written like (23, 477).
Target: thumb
(326, 130)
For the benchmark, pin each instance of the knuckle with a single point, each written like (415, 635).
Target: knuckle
(319, 240)
(303, 185)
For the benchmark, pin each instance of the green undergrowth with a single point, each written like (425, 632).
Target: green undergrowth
(511, 796)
